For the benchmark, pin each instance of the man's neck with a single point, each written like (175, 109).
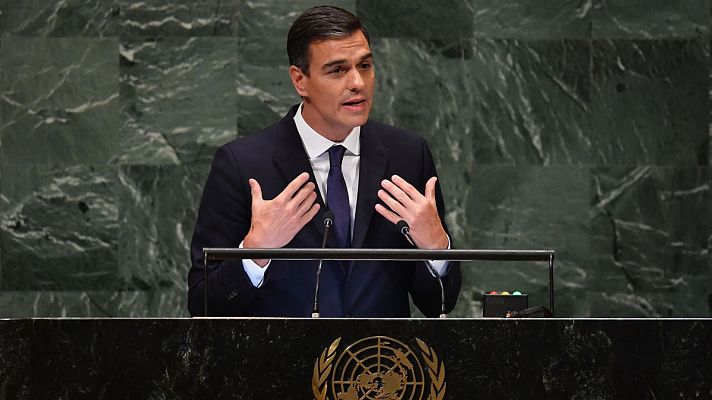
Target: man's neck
(315, 143)
(313, 119)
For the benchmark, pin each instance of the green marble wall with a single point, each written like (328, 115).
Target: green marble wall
(578, 125)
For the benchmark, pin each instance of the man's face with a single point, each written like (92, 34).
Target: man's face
(339, 89)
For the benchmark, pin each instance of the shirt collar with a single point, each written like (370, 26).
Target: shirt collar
(316, 144)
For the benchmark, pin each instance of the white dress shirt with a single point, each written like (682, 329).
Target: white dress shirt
(316, 147)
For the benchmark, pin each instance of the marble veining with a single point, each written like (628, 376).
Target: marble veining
(577, 125)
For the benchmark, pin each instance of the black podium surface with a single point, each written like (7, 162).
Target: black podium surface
(346, 359)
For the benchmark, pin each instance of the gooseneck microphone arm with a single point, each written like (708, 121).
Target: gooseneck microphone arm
(405, 230)
(328, 221)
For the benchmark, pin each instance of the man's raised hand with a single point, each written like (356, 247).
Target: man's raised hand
(419, 211)
(275, 222)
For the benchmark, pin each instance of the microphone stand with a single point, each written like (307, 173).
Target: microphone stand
(328, 221)
(405, 230)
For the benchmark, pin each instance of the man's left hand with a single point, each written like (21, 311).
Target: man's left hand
(419, 211)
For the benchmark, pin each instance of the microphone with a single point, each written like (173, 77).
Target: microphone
(328, 221)
(404, 229)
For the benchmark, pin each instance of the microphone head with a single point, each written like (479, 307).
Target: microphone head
(403, 227)
(328, 217)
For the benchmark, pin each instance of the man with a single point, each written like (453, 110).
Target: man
(272, 189)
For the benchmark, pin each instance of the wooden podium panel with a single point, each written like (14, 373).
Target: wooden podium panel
(386, 359)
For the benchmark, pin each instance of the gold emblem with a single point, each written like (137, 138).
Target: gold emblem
(378, 368)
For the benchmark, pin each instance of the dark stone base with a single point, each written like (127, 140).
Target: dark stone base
(274, 358)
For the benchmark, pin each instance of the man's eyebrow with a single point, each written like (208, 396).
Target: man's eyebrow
(334, 63)
(367, 56)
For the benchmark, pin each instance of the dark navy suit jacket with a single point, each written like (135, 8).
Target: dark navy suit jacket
(274, 157)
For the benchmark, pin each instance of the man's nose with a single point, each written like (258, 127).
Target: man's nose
(356, 81)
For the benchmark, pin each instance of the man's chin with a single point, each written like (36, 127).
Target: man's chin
(357, 118)
(358, 121)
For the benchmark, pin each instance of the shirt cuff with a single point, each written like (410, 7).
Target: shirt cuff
(255, 272)
(441, 266)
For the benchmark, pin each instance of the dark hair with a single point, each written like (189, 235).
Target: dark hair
(315, 24)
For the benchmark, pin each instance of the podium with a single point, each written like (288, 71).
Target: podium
(349, 359)
(275, 358)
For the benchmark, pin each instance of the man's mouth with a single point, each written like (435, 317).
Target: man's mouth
(355, 103)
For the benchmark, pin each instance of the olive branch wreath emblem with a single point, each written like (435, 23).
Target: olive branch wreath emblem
(323, 366)
(435, 370)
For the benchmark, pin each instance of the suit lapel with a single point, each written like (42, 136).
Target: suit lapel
(372, 169)
(291, 160)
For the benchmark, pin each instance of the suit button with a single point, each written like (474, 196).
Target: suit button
(232, 294)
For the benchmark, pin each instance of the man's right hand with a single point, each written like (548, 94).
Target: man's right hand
(275, 222)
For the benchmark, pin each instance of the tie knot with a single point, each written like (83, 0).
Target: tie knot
(336, 155)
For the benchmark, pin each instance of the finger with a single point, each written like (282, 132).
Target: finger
(255, 189)
(430, 189)
(309, 215)
(388, 214)
(302, 194)
(406, 187)
(396, 192)
(392, 203)
(294, 185)
(305, 205)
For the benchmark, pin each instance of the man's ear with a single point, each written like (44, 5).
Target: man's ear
(299, 80)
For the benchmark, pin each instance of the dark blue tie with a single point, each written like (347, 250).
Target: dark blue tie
(337, 197)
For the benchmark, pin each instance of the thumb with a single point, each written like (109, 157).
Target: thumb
(255, 190)
(430, 189)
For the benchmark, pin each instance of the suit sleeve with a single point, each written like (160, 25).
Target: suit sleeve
(425, 289)
(223, 221)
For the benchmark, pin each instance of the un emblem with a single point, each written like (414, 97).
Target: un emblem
(378, 368)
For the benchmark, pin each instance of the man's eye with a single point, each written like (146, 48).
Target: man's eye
(336, 70)
(365, 66)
